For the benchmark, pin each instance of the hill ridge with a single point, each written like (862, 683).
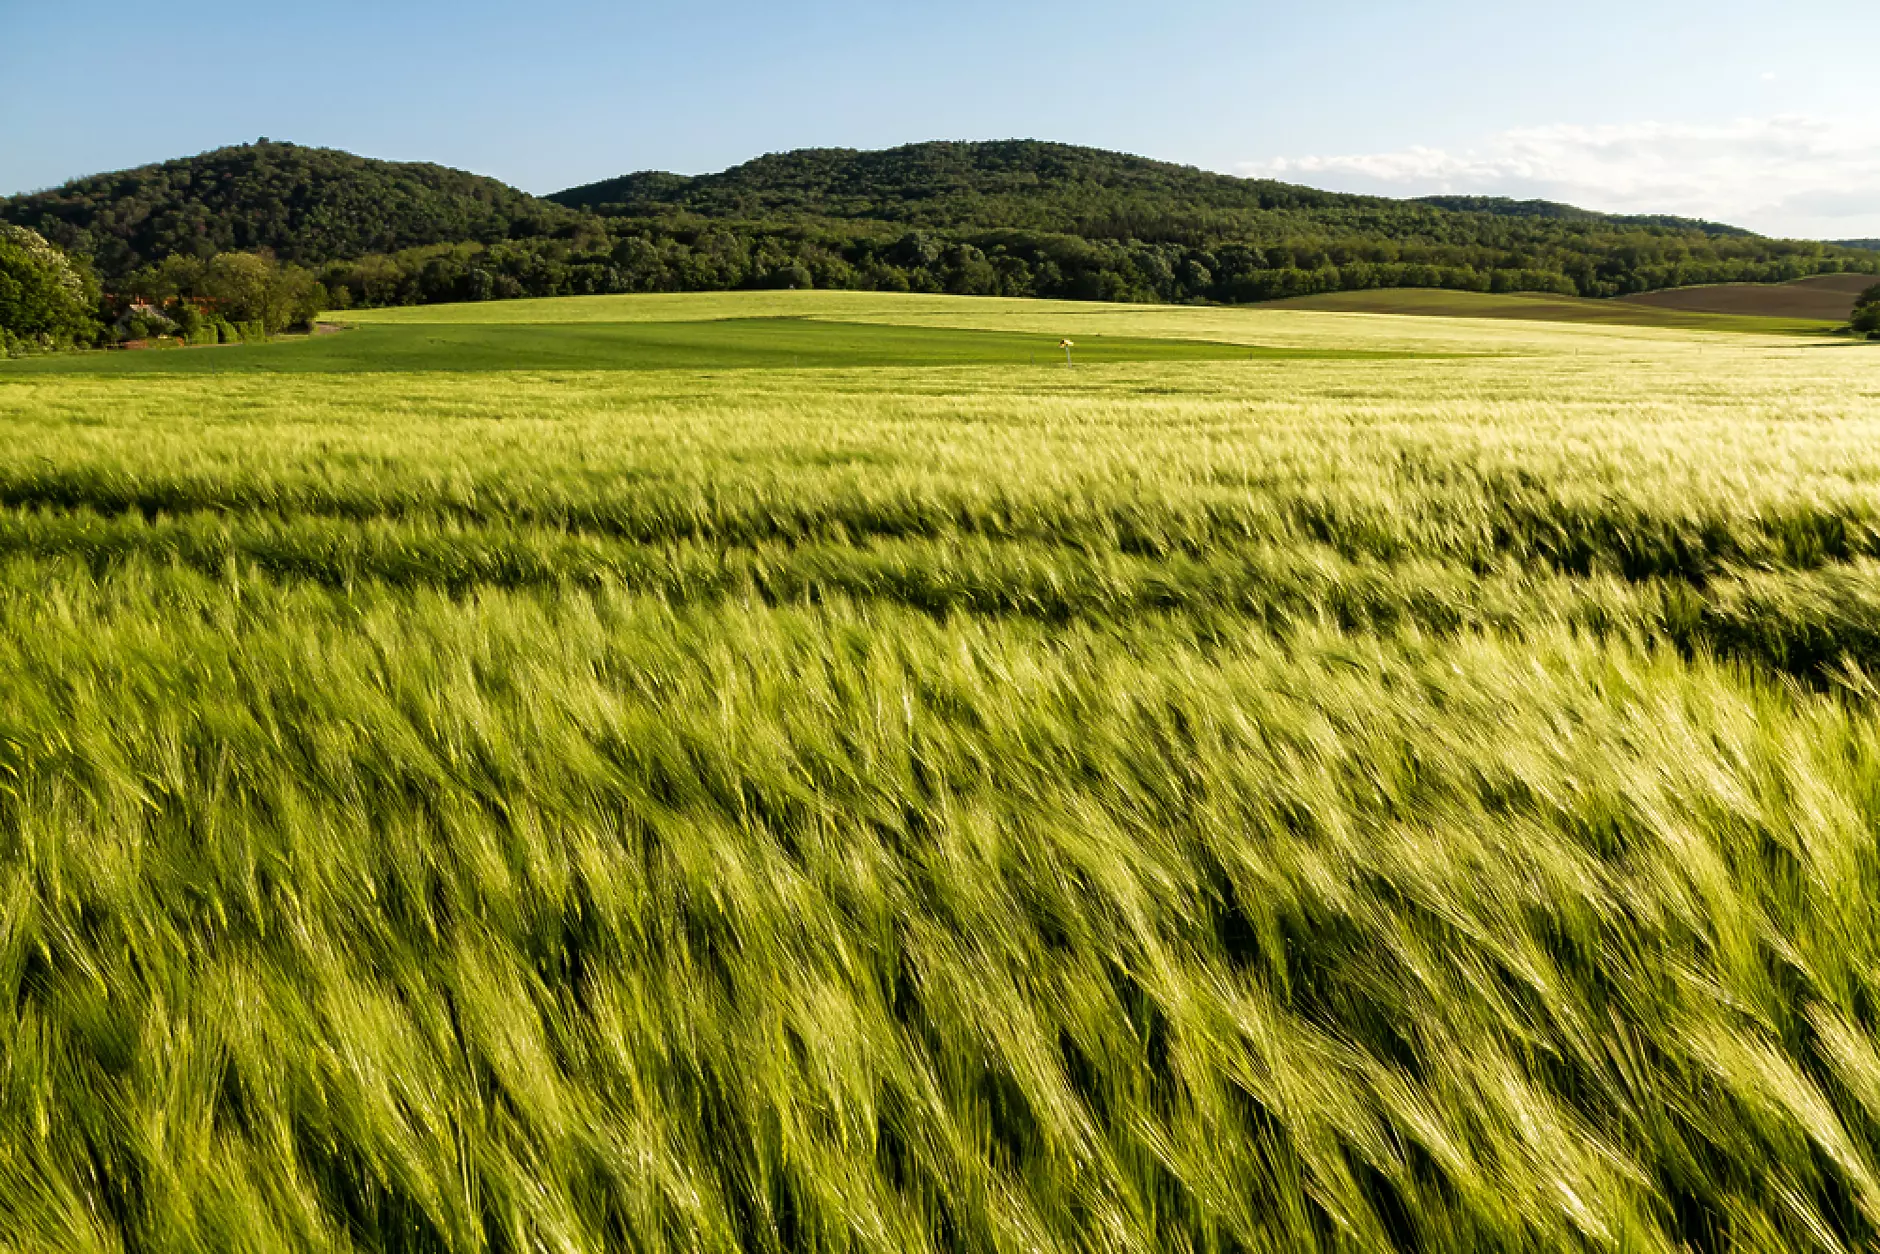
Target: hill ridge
(1014, 217)
(302, 203)
(665, 187)
(1513, 207)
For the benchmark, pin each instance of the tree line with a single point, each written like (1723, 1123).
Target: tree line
(50, 301)
(233, 296)
(690, 254)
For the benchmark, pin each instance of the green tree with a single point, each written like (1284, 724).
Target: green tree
(914, 251)
(250, 287)
(45, 300)
(179, 275)
(238, 284)
(792, 276)
(1866, 320)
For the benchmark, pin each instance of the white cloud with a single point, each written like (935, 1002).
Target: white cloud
(1788, 175)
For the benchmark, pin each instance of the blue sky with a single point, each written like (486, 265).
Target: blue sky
(1744, 112)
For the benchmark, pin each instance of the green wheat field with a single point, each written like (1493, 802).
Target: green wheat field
(813, 772)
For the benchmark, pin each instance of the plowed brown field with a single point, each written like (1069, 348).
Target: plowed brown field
(1829, 296)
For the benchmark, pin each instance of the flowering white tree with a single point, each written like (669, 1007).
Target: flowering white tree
(45, 301)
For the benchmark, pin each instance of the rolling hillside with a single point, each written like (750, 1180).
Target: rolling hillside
(1829, 297)
(1540, 307)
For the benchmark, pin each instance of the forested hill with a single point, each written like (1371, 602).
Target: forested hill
(309, 205)
(1554, 209)
(1021, 184)
(1011, 218)
(1872, 245)
(1165, 231)
(1034, 185)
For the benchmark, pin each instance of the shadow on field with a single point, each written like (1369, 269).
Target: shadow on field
(731, 344)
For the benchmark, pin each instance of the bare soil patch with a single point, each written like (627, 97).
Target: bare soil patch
(1829, 296)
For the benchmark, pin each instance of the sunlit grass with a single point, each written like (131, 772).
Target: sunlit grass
(1269, 325)
(1203, 805)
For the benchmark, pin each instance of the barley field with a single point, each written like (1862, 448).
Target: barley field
(1368, 783)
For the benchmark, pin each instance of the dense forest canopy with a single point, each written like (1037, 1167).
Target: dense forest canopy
(1058, 187)
(1012, 183)
(1014, 218)
(302, 204)
(1554, 209)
